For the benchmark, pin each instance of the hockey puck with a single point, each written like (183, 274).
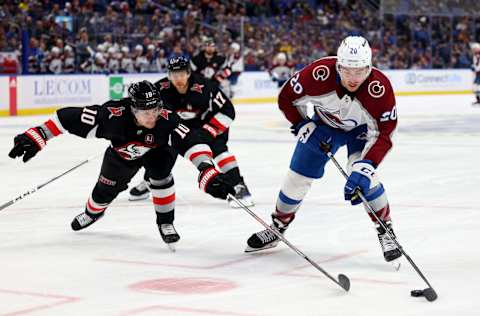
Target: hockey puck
(416, 293)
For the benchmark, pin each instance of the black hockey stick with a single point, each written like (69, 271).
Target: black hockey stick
(342, 281)
(429, 293)
(38, 187)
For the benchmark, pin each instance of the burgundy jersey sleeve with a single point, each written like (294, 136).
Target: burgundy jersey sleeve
(382, 107)
(315, 79)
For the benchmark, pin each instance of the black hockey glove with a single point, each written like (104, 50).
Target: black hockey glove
(213, 182)
(28, 144)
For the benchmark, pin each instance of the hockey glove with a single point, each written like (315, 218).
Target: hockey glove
(28, 144)
(213, 182)
(360, 179)
(303, 130)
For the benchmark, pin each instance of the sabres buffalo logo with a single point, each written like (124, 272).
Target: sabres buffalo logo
(132, 150)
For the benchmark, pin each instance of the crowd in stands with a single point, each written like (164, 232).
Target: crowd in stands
(100, 36)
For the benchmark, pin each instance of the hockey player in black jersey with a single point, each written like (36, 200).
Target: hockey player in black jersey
(140, 130)
(202, 105)
(213, 66)
(208, 62)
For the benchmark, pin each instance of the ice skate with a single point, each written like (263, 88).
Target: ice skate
(391, 253)
(242, 194)
(139, 192)
(85, 219)
(169, 235)
(266, 239)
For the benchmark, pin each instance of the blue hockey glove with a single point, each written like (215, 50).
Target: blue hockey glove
(360, 179)
(303, 130)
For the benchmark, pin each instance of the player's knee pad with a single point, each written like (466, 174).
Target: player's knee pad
(106, 190)
(293, 190)
(226, 161)
(163, 194)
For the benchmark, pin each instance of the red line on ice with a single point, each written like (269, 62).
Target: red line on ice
(183, 309)
(63, 300)
(187, 266)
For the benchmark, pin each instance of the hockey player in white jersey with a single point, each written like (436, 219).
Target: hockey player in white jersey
(354, 105)
(476, 69)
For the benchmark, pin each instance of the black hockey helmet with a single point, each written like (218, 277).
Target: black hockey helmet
(178, 63)
(144, 95)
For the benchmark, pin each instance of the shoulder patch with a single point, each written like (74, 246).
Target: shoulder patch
(164, 85)
(376, 89)
(115, 111)
(164, 113)
(321, 72)
(197, 87)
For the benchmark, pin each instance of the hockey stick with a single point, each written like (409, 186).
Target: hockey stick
(38, 187)
(429, 293)
(342, 281)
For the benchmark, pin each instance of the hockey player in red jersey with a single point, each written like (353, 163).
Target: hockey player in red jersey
(476, 71)
(281, 69)
(354, 105)
(140, 130)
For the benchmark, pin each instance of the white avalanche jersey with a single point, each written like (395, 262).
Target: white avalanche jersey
(373, 104)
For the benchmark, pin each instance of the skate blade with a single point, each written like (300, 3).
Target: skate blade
(250, 249)
(246, 201)
(172, 246)
(139, 197)
(396, 264)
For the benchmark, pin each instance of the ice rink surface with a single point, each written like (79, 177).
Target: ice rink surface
(120, 266)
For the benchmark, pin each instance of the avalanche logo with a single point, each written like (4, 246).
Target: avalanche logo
(321, 73)
(376, 89)
(115, 111)
(132, 151)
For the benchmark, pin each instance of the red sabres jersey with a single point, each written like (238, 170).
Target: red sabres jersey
(318, 86)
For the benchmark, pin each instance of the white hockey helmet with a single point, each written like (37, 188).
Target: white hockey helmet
(475, 47)
(354, 52)
(281, 56)
(235, 47)
(139, 48)
(55, 50)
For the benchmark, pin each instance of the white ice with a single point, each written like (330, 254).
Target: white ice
(120, 266)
